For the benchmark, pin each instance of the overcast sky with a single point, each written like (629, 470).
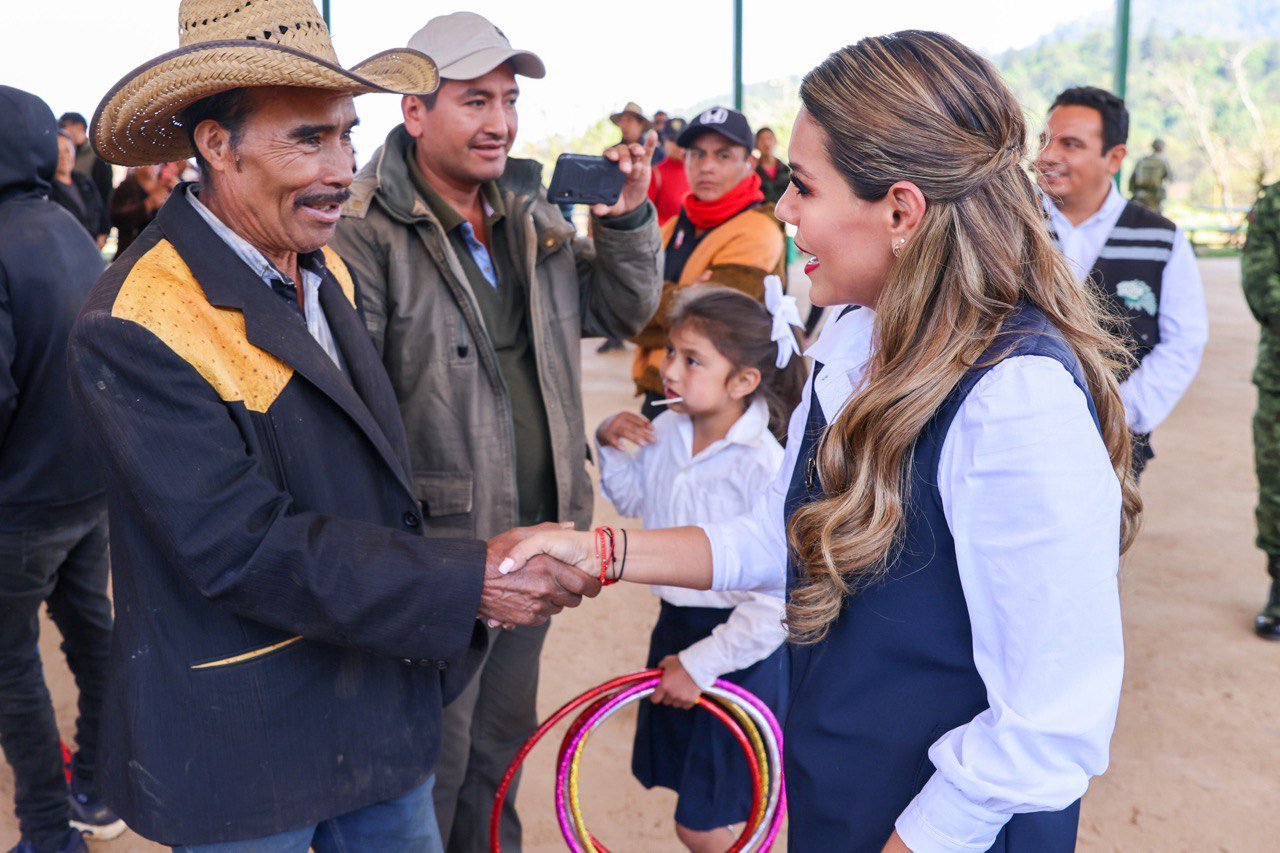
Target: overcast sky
(598, 54)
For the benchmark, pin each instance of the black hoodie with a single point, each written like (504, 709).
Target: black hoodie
(48, 474)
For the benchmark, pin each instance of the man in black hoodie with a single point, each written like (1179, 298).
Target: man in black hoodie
(53, 524)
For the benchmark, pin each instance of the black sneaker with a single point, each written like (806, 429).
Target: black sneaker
(74, 843)
(92, 817)
(610, 345)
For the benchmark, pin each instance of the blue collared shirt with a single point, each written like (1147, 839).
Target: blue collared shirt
(317, 325)
(479, 253)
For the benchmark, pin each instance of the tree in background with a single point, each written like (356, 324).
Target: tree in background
(1204, 77)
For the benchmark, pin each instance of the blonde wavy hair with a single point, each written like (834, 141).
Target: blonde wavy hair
(921, 107)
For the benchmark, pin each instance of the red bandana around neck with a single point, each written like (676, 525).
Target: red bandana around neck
(706, 215)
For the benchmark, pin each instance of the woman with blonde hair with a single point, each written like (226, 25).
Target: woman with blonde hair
(956, 492)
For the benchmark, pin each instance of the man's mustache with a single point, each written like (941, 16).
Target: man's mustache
(322, 199)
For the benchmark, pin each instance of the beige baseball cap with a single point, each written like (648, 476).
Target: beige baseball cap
(465, 46)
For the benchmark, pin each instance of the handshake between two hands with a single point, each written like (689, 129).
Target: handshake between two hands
(532, 573)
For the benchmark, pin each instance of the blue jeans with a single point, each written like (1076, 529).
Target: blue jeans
(406, 824)
(64, 568)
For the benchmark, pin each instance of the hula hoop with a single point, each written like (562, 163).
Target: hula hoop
(750, 722)
(572, 826)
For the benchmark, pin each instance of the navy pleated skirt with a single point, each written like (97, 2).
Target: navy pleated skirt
(689, 751)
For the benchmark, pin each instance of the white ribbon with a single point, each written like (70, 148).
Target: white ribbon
(785, 314)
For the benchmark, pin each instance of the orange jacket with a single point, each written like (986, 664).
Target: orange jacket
(738, 254)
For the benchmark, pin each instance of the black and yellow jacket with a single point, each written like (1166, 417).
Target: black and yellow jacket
(285, 635)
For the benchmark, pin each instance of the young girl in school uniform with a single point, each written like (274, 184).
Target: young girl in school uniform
(735, 368)
(956, 491)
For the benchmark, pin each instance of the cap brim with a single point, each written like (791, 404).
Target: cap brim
(137, 122)
(691, 133)
(481, 62)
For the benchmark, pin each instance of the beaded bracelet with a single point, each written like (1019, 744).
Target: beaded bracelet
(604, 552)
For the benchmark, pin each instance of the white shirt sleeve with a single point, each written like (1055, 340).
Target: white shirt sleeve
(751, 633)
(622, 479)
(1034, 507)
(750, 552)
(1151, 391)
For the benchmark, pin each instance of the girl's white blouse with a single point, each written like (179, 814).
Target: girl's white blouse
(668, 486)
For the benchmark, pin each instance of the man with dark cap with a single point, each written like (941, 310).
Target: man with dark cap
(723, 234)
(53, 520)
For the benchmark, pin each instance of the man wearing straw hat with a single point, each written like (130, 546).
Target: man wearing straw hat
(632, 122)
(285, 635)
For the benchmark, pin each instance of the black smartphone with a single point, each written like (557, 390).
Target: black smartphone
(584, 179)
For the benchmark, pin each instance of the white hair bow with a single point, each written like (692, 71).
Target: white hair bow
(785, 315)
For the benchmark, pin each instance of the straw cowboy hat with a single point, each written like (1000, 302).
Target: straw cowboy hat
(227, 44)
(632, 108)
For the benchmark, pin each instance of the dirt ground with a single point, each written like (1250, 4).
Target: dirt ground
(1196, 756)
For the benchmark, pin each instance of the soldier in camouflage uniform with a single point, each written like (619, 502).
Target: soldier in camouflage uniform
(1260, 267)
(1150, 174)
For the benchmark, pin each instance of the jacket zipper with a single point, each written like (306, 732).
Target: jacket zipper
(535, 331)
(273, 448)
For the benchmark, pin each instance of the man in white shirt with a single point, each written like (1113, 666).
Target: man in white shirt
(1141, 261)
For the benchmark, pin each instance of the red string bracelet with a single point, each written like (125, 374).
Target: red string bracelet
(604, 552)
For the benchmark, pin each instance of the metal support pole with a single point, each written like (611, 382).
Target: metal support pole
(1122, 47)
(1121, 83)
(737, 55)
(324, 11)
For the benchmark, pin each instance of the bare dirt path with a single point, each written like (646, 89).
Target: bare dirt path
(1196, 756)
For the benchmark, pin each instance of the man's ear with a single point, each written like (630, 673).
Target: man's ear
(415, 115)
(1115, 157)
(743, 383)
(213, 141)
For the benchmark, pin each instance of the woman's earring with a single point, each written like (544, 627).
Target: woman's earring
(897, 246)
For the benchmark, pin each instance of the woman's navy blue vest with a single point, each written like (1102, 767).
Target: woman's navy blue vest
(896, 670)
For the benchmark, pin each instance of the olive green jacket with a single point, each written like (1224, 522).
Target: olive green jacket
(426, 325)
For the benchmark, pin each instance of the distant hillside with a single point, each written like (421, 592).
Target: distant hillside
(1212, 99)
(1230, 20)
(1204, 75)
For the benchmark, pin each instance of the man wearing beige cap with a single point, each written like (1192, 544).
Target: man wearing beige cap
(286, 636)
(477, 294)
